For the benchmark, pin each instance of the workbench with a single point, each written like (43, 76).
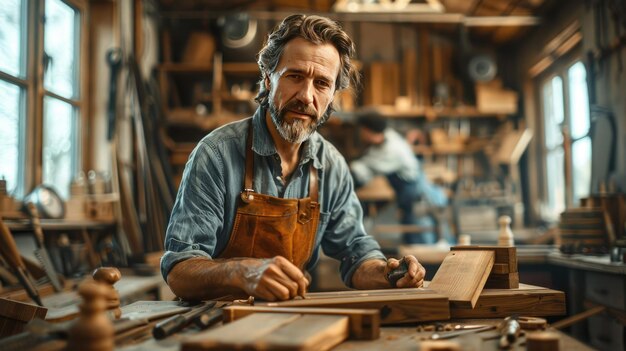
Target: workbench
(396, 338)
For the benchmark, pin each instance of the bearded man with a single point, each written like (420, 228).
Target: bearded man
(260, 197)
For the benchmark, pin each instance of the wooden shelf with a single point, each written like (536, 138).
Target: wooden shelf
(185, 67)
(240, 67)
(59, 224)
(189, 117)
(451, 150)
(429, 112)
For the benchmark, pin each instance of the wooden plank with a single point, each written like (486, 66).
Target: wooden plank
(504, 254)
(462, 276)
(14, 316)
(527, 300)
(503, 281)
(364, 324)
(307, 333)
(239, 333)
(409, 305)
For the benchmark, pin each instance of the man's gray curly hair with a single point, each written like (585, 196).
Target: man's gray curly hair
(317, 30)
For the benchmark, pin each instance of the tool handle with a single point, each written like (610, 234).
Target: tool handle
(9, 248)
(169, 326)
(398, 273)
(28, 285)
(36, 223)
(178, 322)
(209, 318)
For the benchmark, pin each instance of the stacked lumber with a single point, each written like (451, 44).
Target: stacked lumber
(585, 230)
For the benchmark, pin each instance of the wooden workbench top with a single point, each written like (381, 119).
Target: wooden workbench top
(392, 338)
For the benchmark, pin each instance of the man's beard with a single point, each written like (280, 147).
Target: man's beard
(299, 130)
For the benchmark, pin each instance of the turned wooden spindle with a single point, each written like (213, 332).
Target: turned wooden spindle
(110, 276)
(93, 330)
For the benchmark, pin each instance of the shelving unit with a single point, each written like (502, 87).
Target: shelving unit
(198, 98)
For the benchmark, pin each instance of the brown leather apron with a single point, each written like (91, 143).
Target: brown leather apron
(267, 226)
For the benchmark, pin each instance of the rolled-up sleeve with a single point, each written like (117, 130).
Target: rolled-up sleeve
(345, 238)
(198, 210)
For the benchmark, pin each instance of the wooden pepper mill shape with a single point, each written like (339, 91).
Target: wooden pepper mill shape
(109, 276)
(93, 330)
(505, 236)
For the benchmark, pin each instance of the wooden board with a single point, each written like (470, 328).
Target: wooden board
(364, 324)
(14, 315)
(409, 305)
(504, 254)
(503, 281)
(527, 300)
(310, 332)
(462, 276)
(271, 331)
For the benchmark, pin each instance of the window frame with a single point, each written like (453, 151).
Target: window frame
(560, 68)
(31, 125)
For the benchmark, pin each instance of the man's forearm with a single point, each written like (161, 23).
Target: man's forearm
(201, 278)
(370, 275)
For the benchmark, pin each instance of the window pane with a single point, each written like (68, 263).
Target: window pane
(12, 20)
(553, 112)
(60, 38)
(555, 181)
(579, 100)
(581, 167)
(10, 120)
(59, 146)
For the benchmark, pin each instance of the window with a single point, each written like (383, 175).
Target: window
(564, 98)
(13, 87)
(41, 100)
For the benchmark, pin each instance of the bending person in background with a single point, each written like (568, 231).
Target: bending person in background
(389, 154)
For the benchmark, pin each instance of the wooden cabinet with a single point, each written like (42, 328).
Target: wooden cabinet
(594, 280)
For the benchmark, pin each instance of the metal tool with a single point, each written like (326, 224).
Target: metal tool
(41, 253)
(509, 331)
(178, 322)
(114, 59)
(460, 330)
(9, 251)
(398, 273)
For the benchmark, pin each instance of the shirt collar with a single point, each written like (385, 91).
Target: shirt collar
(263, 144)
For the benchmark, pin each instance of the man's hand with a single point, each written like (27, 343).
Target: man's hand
(372, 274)
(414, 277)
(272, 279)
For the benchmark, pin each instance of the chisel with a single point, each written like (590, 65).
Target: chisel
(178, 322)
(41, 253)
(9, 251)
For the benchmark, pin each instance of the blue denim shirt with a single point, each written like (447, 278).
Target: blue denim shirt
(206, 204)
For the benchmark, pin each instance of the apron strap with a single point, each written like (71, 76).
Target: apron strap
(313, 189)
(247, 182)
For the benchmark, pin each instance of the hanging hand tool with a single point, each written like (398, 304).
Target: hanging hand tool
(41, 253)
(114, 59)
(9, 251)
